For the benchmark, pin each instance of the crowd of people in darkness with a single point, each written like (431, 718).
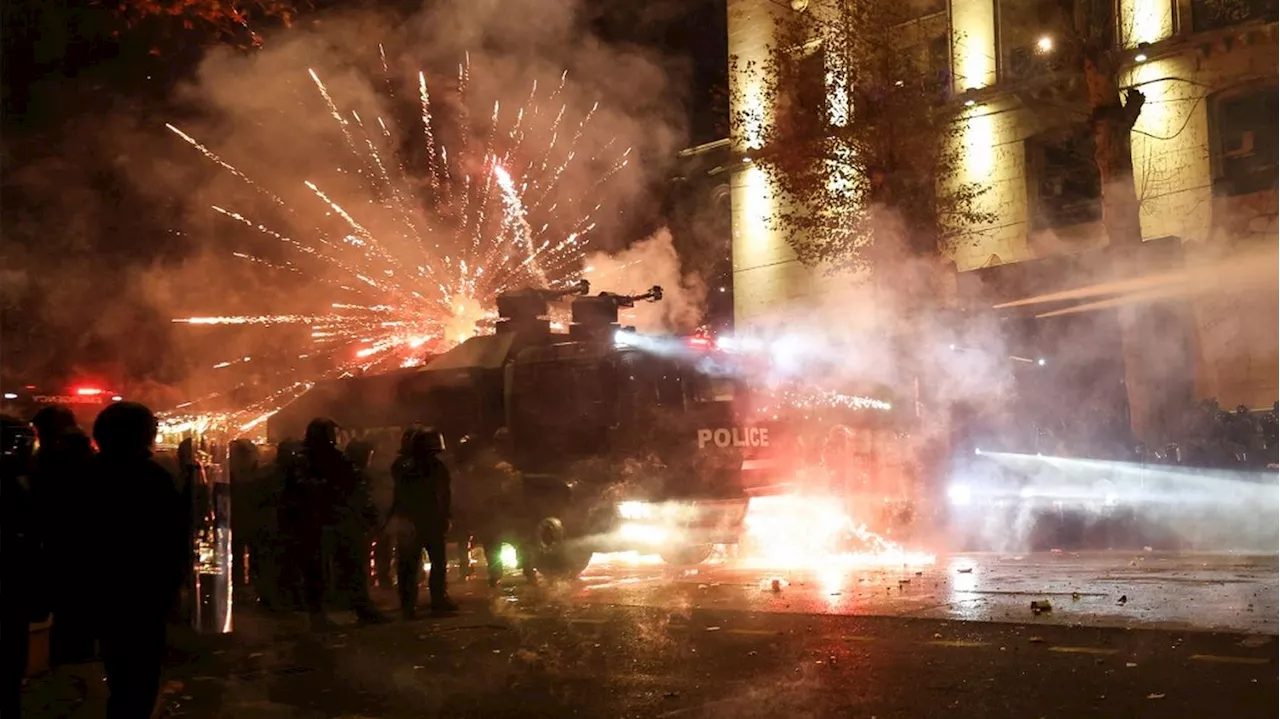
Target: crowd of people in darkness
(64, 492)
(64, 496)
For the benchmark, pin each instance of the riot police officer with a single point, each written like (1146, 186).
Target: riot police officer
(503, 518)
(422, 502)
(246, 510)
(324, 486)
(359, 516)
(382, 490)
(282, 549)
(468, 503)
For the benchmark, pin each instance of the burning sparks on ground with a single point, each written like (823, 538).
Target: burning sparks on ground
(807, 399)
(624, 559)
(482, 216)
(816, 532)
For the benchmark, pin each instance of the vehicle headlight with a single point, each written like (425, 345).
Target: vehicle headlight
(636, 510)
(960, 494)
(641, 533)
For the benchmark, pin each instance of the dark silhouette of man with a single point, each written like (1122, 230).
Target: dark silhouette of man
(356, 520)
(247, 525)
(382, 490)
(141, 526)
(62, 499)
(468, 510)
(502, 515)
(422, 500)
(285, 549)
(22, 584)
(324, 485)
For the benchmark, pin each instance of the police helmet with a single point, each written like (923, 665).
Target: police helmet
(406, 439)
(321, 432)
(360, 453)
(428, 440)
(467, 448)
(244, 451)
(287, 451)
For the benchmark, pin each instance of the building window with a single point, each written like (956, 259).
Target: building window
(1215, 14)
(939, 61)
(924, 8)
(811, 88)
(1030, 41)
(1244, 141)
(803, 100)
(1063, 185)
(923, 35)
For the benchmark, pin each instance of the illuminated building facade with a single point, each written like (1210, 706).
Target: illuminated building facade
(1204, 153)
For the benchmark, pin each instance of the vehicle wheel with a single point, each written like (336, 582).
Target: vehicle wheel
(689, 554)
(567, 563)
(555, 555)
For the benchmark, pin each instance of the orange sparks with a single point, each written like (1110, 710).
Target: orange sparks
(407, 262)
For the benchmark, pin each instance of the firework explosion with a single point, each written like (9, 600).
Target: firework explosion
(480, 217)
(814, 398)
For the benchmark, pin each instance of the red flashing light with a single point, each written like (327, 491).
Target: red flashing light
(88, 391)
(700, 342)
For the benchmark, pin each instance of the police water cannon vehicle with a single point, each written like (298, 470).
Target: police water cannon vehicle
(605, 435)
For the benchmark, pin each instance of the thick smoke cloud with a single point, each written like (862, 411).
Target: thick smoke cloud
(649, 262)
(1046, 377)
(261, 112)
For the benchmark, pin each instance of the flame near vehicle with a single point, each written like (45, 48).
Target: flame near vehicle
(784, 532)
(816, 532)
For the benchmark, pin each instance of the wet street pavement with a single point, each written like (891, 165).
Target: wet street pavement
(1194, 637)
(1223, 592)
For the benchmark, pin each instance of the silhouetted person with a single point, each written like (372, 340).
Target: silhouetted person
(247, 524)
(501, 516)
(141, 529)
(422, 500)
(1268, 424)
(382, 490)
(62, 497)
(355, 522)
(468, 505)
(284, 546)
(22, 584)
(323, 487)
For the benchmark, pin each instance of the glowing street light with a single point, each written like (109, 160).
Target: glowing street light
(1044, 44)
